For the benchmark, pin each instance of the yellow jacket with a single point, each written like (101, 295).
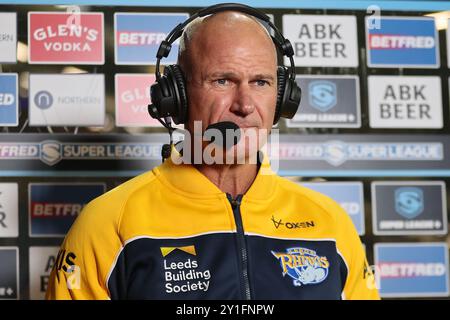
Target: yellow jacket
(171, 233)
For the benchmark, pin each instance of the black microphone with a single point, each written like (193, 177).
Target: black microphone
(228, 140)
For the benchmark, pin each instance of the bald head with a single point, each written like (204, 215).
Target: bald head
(229, 28)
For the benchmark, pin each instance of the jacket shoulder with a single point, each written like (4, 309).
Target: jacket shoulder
(327, 204)
(109, 206)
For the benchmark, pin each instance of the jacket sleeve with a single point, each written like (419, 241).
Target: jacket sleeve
(360, 283)
(86, 255)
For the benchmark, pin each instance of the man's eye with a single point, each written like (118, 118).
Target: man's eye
(262, 82)
(221, 81)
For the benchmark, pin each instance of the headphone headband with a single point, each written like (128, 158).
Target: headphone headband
(280, 41)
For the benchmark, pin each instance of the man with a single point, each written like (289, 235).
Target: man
(215, 231)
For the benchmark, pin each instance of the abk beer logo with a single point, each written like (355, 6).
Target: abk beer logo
(403, 42)
(348, 194)
(67, 99)
(65, 38)
(409, 207)
(138, 36)
(9, 273)
(405, 102)
(412, 269)
(53, 207)
(42, 261)
(9, 103)
(322, 40)
(330, 101)
(8, 37)
(9, 210)
(132, 100)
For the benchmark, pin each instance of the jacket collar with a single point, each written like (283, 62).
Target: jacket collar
(186, 178)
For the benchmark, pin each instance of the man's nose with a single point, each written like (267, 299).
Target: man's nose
(243, 103)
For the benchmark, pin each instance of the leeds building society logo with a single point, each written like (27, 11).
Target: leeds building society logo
(186, 275)
(303, 265)
(409, 202)
(322, 95)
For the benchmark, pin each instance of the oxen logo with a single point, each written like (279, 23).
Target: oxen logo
(303, 265)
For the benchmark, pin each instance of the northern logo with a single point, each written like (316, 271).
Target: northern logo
(43, 99)
(303, 265)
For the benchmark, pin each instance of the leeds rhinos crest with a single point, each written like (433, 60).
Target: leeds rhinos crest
(303, 265)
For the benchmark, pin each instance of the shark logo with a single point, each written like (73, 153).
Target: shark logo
(303, 265)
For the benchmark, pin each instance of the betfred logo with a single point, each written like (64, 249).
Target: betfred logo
(59, 37)
(412, 269)
(132, 100)
(53, 207)
(9, 104)
(138, 36)
(408, 42)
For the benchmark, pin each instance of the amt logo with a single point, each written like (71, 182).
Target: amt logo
(409, 202)
(43, 99)
(322, 95)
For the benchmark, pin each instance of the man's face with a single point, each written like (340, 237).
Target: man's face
(233, 78)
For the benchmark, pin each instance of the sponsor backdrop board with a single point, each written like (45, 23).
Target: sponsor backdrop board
(9, 210)
(403, 42)
(42, 260)
(409, 208)
(328, 102)
(67, 99)
(405, 102)
(412, 269)
(52, 208)
(84, 125)
(138, 36)
(322, 40)
(8, 37)
(132, 99)
(9, 100)
(9, 273)
(65, 38)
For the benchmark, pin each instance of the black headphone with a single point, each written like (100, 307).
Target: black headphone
(168, 93)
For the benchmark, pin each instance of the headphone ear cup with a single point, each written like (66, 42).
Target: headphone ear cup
(176, 80)
(289, 96)
(281, 89)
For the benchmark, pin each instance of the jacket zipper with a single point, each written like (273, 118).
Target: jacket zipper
(243, 257)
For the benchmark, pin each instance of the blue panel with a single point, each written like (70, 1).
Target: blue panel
(287, 4)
